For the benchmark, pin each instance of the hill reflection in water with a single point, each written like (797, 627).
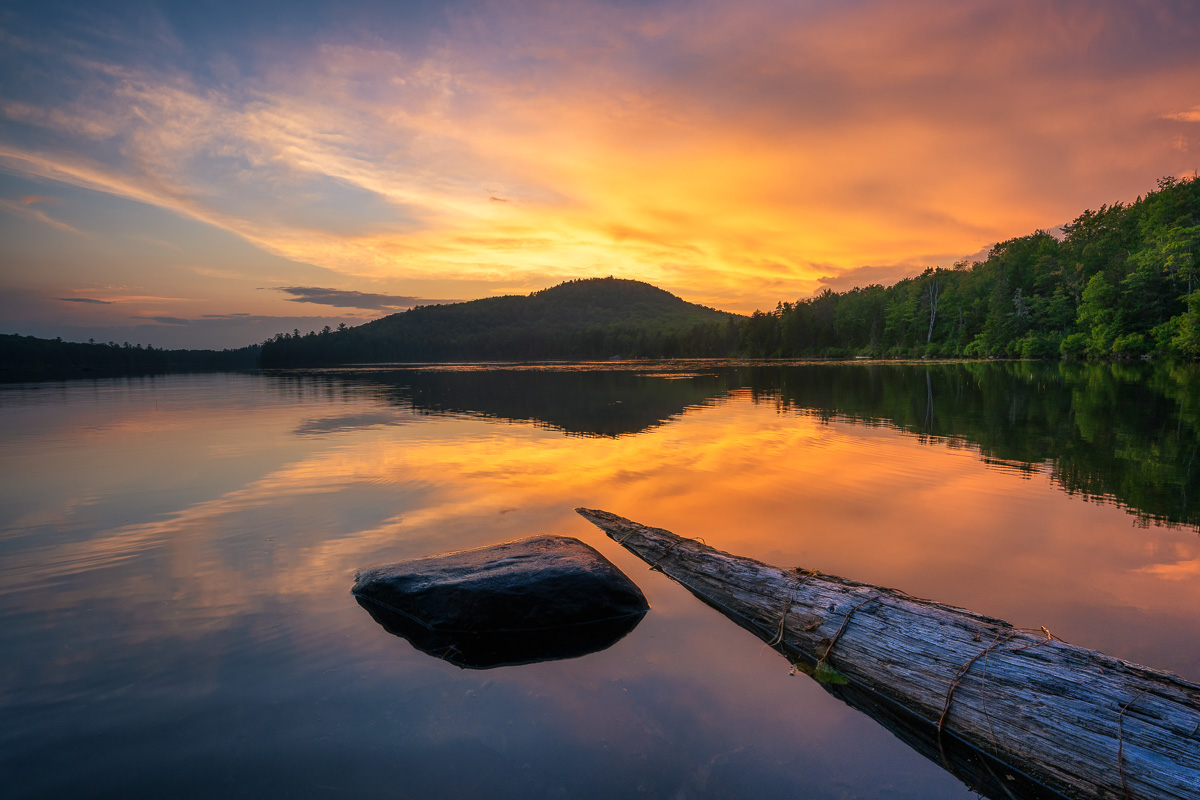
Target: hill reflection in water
(582, 402)
(1123, 433)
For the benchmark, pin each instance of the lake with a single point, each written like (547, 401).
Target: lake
(177, 555)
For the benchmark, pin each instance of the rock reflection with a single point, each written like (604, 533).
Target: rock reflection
(511, 648)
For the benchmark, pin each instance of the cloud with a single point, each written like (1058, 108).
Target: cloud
(865, 276)
(25, 209)
(348, 299)
(165, 320)
(1185, 116)
(32, 199)
(1178, 571)
(84, 300)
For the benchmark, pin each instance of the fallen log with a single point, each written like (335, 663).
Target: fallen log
(1051, 714)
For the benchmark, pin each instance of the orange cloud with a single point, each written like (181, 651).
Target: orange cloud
(1185, 116)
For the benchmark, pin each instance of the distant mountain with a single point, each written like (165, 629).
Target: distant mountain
(594, 318)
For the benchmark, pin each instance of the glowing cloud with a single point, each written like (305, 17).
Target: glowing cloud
(1185, 116)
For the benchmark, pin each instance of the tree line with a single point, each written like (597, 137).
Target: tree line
(29, 354)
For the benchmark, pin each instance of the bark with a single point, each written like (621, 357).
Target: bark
(935, 293)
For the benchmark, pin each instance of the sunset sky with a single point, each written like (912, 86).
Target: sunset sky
(205, 174)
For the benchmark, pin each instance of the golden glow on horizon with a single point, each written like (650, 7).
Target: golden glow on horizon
(735, 169)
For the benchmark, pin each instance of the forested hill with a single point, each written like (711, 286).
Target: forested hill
(594, 318)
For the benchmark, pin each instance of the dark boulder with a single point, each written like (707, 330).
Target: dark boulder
(536, 599)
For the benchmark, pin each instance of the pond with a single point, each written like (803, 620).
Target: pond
(177, 554)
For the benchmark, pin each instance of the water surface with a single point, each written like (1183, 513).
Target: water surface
(177, 554)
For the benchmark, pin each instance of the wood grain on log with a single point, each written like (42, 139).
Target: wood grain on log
(1082, 723)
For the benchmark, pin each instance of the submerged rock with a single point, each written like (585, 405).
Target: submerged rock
(535, 599)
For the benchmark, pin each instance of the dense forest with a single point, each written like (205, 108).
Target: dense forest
(1122, 282)
(589, 319)
(25, 355)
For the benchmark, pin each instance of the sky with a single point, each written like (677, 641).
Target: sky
(205, 174)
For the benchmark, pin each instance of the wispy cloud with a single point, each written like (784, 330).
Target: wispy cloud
(1185, 116)
(84, 300)
(26, 209)
(342, 298)
(1178, 571)
(865, 276)
(165, 320)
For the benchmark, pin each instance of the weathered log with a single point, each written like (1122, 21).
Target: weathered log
(1079, 722)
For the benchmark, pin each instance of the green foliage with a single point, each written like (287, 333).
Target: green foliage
(821, 671)
(1130, 345)
(1185, 337)
(1037, 345)
(1074, 346)
(1098, 315)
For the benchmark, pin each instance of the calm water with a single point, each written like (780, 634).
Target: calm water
(177, 553)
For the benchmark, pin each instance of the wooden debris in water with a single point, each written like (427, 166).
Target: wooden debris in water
(1082, 723)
